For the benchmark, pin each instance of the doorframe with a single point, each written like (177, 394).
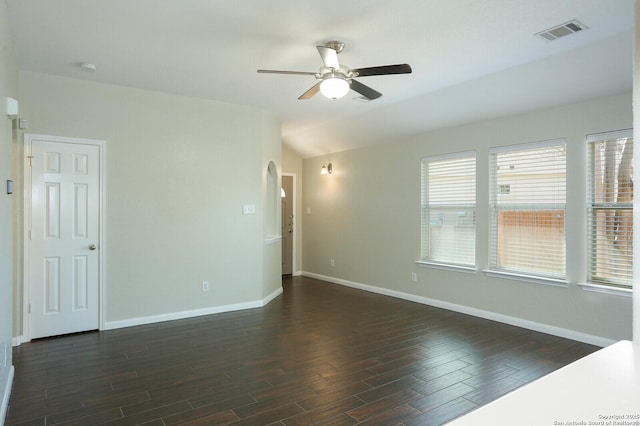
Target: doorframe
(295, 223)
(26, 217)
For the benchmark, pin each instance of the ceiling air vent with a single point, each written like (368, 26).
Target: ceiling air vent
(562, 30)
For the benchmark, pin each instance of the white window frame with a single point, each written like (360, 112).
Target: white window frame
(494, 269)
(426, 258)
(594, 282)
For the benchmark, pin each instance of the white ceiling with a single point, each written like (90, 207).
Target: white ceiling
(471, 59)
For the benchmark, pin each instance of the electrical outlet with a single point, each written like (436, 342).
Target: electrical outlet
(332, 262)
(205, 285)
(414, 277)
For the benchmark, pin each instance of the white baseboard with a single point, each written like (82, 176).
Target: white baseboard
(17, 341)
(493, 316)
(272, 296)
(111, 325)
(5, 399)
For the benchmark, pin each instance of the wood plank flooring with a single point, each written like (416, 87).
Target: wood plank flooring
(319, 354)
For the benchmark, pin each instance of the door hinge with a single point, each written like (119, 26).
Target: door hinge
(29, 234)
(29, 307)
(29, 157)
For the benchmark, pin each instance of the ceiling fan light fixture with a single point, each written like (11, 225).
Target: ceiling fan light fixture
(334, 87)
(334, 81)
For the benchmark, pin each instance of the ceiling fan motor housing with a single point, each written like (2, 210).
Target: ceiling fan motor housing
(335, 45)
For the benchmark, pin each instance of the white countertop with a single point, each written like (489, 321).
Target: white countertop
(600, 389)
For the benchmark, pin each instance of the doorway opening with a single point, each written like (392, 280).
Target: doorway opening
(287, 197)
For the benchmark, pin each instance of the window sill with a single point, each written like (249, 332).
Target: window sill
(446, 267)
(554, 282)
(272, 239)
(605, 289)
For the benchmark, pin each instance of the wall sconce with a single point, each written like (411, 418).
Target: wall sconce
(326, 169)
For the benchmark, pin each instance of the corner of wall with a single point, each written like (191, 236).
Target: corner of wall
(8, 88)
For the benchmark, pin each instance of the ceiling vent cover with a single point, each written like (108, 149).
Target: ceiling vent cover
(561, 30)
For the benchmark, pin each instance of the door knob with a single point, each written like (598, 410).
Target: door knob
(92, 247)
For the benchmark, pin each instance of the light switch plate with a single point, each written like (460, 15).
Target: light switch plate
(249, 209)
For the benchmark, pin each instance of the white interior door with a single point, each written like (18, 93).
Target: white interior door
(64, 237)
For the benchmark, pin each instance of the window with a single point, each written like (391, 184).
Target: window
(448, 209)
(527, 196)
(610, 209)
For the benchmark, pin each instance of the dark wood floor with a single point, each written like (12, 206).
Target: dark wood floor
(318, 354)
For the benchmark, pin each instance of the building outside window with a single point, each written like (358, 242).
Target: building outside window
(527, 198)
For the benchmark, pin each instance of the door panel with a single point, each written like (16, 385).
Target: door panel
(63, 260)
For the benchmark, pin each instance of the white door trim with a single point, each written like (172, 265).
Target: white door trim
(295, 224)
(27, 143)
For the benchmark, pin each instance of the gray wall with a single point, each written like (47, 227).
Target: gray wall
(8, 87)
(366, 216)
(178, 171)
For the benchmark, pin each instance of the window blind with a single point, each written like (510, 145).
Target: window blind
(448, 209)
(610, 209)
(527, 196)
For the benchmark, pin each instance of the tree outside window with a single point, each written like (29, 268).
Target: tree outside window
(610, 209)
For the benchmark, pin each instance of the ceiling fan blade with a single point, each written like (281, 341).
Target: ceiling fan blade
(384, 70)
(329, 57)
(309, 93)
(286, 72)
(365, 90)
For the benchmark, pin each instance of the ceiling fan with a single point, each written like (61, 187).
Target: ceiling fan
(335, 80)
